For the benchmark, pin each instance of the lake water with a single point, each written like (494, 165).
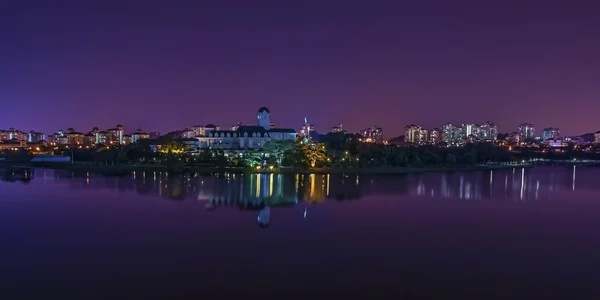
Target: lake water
(495, 234)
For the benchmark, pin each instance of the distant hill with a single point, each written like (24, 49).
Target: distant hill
(399, 140)
(588, 137)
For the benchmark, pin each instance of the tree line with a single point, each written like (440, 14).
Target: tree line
(331, 150)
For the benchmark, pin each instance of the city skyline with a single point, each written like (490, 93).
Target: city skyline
(538, 131)
(161, 68)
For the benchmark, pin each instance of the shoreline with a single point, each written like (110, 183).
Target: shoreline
(128, 168)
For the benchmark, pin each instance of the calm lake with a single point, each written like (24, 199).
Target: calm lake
(511, 233)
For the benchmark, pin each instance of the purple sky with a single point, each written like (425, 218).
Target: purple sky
(166, 65)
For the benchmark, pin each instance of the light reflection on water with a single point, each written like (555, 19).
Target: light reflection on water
(254, 190)
(490, 229)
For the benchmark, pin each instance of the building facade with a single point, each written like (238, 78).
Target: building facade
(488, 131)
(372, 135)
(448, 133)
(414, 134)
(435, 136)
(550, 133)
(35, 137)
(115, 136)
(336, 129)
(139, 135)
(526, 131)
(243, 137)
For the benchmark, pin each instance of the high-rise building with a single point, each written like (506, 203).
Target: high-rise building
(13, 134)
(414, 134)
(514, 137)
(89, 139)
(74, 138)
(487, 131)
(492, 131)
(468, 130)
(59, 138)
(126, 139)
(139, 135)
(435, 136)
(372, 135)
(526, 131)
(424, 136)
(194, 131)
(337, 129)
(550, 133)
(115, 135)
(35, 137)
(450, 133)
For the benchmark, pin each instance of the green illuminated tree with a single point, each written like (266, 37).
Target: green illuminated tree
(279, 149)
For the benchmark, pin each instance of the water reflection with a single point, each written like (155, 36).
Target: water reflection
(24, 175)
(257, 191)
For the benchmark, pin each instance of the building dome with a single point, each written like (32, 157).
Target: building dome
(263, 109)
(210, 126)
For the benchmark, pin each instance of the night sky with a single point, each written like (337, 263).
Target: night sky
(166, 65)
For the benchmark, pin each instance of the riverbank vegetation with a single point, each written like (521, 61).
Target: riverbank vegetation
(339, 151)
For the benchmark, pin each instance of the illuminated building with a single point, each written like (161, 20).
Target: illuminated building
(264, 118)
(188, 133)
(115, 135)
(89, 139)
(467, 130)
(13, 134)
(493, 131)
(35, 137)
(414, 134)
(246, 137)
(306, 129)
(555, 142)
(59, 138)
(102, 137)
(335, 129)
(597, 137)
(526, 131)
(450, 133)
(4, 135)
(488, 131)
(550, 133)
(12, 144)
(372, 135)
(139, 135)
(126, 139)
(73, 137)
(197, 130)
(435, 136)
(514, 138)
